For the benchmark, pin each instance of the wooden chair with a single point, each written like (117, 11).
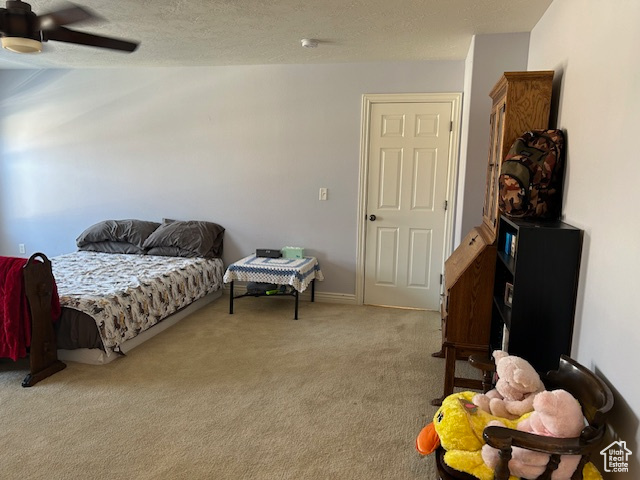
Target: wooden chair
(596, 400)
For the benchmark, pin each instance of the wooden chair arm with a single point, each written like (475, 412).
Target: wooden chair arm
(474, 347)
(482, 362)
(504, 439)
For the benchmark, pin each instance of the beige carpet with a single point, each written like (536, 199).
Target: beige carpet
(339, 394)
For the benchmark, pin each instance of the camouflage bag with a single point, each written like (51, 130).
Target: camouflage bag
(530, 183)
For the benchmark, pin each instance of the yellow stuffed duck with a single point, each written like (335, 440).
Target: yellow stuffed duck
(457, 426)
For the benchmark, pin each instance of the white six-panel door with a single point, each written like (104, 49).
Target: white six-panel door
(408, 158)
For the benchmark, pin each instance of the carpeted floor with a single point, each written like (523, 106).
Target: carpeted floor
(339, 394)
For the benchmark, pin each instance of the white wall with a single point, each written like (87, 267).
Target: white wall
(594, 49)
(247, 147)
(464, 141)
(488, 57)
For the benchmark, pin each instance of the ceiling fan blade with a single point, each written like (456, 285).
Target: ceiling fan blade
(64, 16)
(62, 34)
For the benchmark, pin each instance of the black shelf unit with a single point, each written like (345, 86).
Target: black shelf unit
(544, 273)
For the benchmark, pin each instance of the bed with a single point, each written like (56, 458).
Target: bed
(108, 299)
(130, 280)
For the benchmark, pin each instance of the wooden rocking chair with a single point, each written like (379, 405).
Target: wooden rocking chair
(596, 400)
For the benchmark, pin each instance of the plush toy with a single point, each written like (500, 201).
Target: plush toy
(556, 414)
(457, 426)
(513, 394)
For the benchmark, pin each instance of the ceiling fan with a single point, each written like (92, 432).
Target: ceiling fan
(23, 31)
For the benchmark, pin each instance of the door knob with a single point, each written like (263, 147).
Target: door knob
(372, 218)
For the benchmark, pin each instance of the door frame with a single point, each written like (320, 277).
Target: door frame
(455, 99)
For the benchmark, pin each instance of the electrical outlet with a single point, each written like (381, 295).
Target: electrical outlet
(21, 248)
(323, 193)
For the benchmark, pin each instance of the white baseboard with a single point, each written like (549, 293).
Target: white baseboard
(329, 297)
(321, 297)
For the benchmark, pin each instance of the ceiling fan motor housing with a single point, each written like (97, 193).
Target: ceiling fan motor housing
(18, 5)
(19, 21)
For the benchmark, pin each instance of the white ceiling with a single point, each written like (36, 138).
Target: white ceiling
(246, 32)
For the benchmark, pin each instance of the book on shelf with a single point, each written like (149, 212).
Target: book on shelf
(507, 242)
(508, 294)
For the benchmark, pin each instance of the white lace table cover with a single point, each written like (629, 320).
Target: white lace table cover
(297, 272)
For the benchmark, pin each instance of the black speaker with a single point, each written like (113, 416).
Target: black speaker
(268, 252)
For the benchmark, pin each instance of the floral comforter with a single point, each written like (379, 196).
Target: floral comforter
(127, 294)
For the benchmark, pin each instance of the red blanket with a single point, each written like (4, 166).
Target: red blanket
(15, 320)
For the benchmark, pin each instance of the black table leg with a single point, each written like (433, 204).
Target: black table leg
(231, 297)
(296, 314)
(313, 290)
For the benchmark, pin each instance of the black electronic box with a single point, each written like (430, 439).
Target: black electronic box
(268, 252)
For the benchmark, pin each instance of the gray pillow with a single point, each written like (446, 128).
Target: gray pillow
(171, 252)
(191, 238)
(112, 247)
(130, 231)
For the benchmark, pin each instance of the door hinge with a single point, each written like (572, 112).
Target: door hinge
(441, 278)
(446, 204)
(451, 126)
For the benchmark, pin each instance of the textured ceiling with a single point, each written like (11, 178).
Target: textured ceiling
(246, 32)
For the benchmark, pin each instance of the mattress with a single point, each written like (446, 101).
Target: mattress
(109, 299)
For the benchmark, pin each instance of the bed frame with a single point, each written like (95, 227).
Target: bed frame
(43, 354)
(97, 356)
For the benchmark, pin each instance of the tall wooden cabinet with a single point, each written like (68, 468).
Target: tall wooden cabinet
(521, 101)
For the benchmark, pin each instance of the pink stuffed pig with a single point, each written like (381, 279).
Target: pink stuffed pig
(517, 384)
(556, 414)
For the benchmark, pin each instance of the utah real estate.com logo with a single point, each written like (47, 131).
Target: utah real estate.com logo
(616, 457)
